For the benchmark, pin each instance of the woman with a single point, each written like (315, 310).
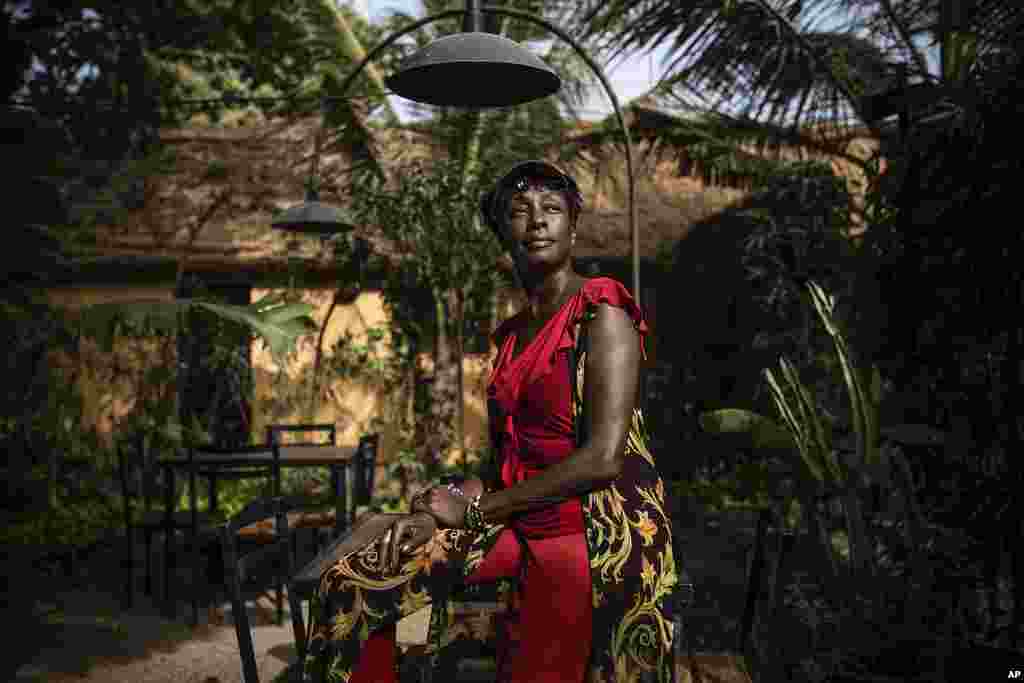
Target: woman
(577, 515)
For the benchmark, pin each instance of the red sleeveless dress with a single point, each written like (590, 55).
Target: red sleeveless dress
(530, 403)
(569, 604)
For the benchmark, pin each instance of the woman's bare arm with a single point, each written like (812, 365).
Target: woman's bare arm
(609, 393)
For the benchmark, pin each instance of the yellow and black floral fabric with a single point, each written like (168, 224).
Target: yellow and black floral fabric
(632, 567)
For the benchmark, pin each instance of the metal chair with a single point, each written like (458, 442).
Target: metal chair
(250, 568)
(317, 515)
(239, 462)
(364, 470)
(214, 473)
(140, 483)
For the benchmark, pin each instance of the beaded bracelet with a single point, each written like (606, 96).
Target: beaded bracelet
(455, 490)
(473, 520)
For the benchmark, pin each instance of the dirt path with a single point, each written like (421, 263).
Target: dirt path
(87, 638)
(81, 634)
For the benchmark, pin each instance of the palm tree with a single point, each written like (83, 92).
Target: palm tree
(775, 69)
(937, 80)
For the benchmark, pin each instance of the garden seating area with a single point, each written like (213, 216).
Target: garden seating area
(249, 298)
(84, 633)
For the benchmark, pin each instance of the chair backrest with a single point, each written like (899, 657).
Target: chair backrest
(276, 438)
(364, 470)
(137, 472)
(247, 566)
(265, 463)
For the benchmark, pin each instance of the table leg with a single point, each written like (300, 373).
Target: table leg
(168, 538)
(213, 492)
(338, 478)
(335, 489)
(193, 542)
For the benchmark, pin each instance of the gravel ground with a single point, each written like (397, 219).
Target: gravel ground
(87, 638)
(81, 633)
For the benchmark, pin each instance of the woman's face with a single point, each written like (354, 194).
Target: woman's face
(538, 225)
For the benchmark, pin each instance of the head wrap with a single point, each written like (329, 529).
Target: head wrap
(491, 201)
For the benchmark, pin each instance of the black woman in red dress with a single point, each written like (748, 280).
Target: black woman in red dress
(576, 515)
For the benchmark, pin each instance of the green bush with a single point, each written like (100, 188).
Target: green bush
(76, 524)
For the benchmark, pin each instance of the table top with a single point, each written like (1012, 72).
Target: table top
(291, 456)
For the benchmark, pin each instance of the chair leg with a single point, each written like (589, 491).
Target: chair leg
(279, 593)
(196, 567)
(168, 563)
(298, 626)
(148, 537)
(129, 582)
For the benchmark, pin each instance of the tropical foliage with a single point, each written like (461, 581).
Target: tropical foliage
(922, 338)
(933, 80)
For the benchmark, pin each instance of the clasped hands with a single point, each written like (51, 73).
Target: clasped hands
(438, 507)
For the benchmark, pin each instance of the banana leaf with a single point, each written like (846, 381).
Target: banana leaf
(278, 323)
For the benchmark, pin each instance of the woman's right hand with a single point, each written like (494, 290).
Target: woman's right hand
(407, 533)
(421, 501)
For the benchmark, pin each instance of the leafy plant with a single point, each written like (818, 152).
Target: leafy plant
(276, 321)
(828, 464)
(443, 277)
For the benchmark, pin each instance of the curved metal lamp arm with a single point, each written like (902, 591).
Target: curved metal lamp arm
(631, 180)
(526, 16)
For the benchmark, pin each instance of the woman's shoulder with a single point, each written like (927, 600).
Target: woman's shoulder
(598, 290)
(606, 290)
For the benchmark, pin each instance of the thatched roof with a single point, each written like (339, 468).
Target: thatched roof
(226, 183)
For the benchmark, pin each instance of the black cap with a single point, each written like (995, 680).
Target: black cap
(533, 168)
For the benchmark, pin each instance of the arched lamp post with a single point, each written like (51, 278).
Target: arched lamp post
(471, 69)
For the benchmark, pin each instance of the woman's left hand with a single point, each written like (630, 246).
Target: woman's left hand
(447, 508)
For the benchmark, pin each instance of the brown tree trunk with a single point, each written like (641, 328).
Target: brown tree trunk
(460, 358)
(444, 390)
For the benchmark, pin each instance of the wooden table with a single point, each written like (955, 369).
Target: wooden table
(207, 461)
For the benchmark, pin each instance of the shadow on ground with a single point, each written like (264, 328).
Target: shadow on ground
(76, 629)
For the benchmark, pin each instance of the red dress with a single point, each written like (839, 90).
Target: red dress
(571, 600)
(530, 404)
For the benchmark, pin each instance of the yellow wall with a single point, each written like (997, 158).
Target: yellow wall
(355, 407)
(110, 382)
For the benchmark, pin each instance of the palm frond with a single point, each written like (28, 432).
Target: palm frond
(734, 145)
(772, 60)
